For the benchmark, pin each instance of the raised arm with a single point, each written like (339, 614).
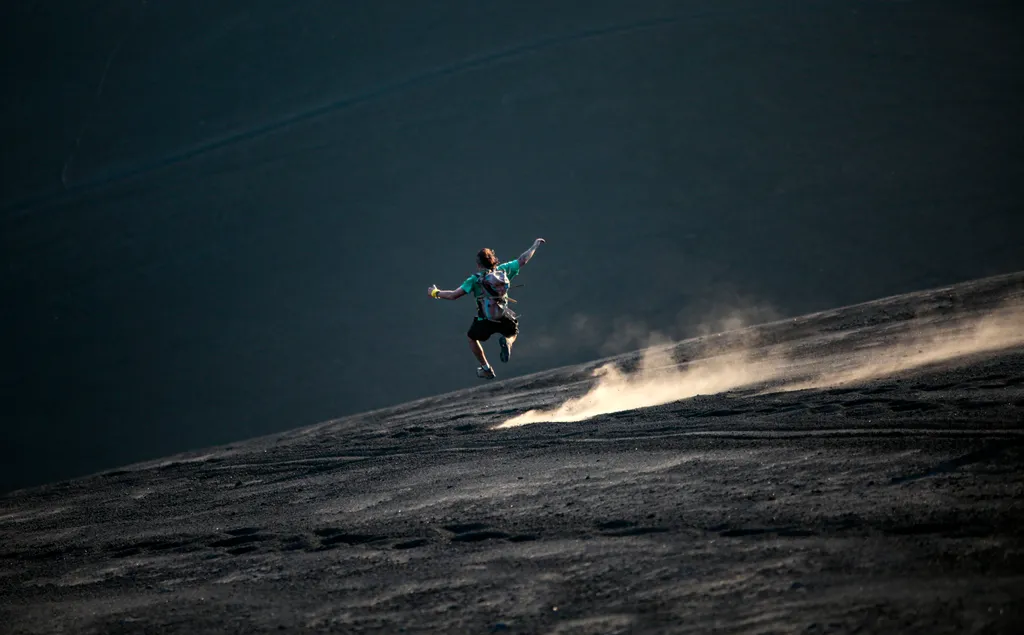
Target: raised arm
(445, 295)
(526, 255)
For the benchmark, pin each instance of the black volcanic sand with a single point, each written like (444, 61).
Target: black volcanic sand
(889, 506)
(219, 218)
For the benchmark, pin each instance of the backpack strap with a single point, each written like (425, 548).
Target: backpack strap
(480, 275)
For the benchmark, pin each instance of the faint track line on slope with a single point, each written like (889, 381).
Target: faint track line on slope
(985, 454)
(30, 205)
(1003, 433)
(97, 94)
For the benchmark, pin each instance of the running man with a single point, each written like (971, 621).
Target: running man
(489, 285)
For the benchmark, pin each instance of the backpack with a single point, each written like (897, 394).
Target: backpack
(493, 304)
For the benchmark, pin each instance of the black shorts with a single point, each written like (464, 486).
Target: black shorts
(482, 330)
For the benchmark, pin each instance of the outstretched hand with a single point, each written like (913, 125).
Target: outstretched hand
(526, 255)
(431, 289)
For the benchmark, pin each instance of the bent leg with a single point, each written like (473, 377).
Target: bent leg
(510, 330)
(478, 351)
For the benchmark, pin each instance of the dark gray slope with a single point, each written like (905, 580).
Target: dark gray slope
(885, 507)
(217, 219)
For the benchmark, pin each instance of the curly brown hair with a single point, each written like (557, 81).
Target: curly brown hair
(486, 258)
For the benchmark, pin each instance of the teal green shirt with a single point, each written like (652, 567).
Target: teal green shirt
(472, 285)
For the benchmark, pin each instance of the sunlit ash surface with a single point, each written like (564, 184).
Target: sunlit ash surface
(857, 470)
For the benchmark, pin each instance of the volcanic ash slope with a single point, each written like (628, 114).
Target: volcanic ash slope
(857, 470)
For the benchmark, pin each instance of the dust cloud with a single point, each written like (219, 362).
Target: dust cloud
(921, 346)
(799, 365)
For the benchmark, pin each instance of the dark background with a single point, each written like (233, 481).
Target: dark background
(219, 219)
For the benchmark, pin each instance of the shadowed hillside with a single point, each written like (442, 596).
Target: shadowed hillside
(886, 504)
(219, 219)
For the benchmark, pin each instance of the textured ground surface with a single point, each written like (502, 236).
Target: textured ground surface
(890, 505)
(218, 218)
